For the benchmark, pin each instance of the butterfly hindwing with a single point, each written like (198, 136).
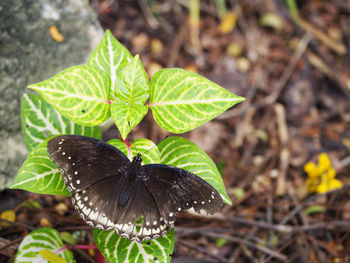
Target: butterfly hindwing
(141, 204)
(97, 206)
(175, 190)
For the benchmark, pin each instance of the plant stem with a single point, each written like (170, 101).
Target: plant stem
(293, 9)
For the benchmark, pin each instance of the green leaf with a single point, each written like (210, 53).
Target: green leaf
(80, 93)
(117, 249)
(314, 209)
(131, 93)
(68, 238)
(132, 83)
(32, 204)
(39, 240)
(182, 100)
(220, 242)
(39, 174)
(182, 153)
(40, 120)
(149, 151)
(127, 116)
(110, 56)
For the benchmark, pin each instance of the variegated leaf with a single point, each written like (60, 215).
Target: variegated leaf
(127, 116)
(39, 174)
(147, 148)
(111, 57)
(117, 249)
(80, 93)
(40, 120)
(131, 93)
(182, 153)
(181, 100)
(42, 240)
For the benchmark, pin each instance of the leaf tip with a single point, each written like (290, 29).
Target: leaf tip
(32, 86)
(240, 99)
(108, 33)
(226, 199)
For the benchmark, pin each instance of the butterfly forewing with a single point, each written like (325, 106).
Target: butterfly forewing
(110, 192)
(85, 161)
(94, 172)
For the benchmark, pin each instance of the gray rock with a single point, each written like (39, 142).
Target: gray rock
(28, 54)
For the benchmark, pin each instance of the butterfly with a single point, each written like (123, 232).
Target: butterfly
(111, 192)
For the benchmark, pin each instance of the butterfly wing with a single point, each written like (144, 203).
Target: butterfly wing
(84, 161)
(95, 173)
(141, 205)
(175, 189)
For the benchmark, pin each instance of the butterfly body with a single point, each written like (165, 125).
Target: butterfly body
(134, 173)
(110, 192)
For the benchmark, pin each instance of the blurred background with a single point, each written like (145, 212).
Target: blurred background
(284, 153)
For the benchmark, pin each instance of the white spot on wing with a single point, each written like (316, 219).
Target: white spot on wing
(93, 215)
(77, 196)
(147, 231)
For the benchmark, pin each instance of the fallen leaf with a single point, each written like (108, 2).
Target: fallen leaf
(8, 215)
(156, 47)
(272, 20)
(51, 257)
(55, 34)
(228, 23)
(243, 64)
(234, 49)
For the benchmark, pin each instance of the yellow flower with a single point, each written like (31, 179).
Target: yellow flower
(321, 178)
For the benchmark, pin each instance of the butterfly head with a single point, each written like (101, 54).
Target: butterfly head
(137, 159)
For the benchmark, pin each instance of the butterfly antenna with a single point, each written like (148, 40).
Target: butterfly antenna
(133, 140)
(155, 145)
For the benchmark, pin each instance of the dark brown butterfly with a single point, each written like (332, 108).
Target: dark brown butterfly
(110, 192)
